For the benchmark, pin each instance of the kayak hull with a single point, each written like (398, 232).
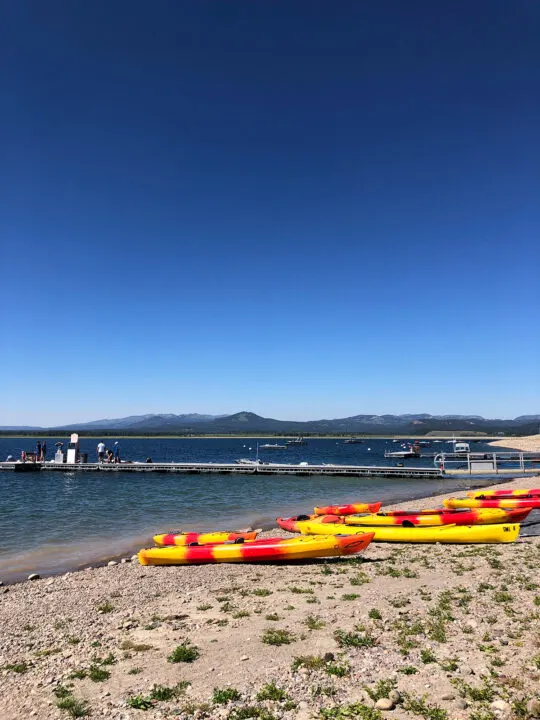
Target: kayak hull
(269, 550)
(454, 534)
(498, 502)
(479, 516)
(351, 509)
(292, 524)
(185, 538)
(503, 493)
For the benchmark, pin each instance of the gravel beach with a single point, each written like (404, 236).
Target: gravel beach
(433, 631)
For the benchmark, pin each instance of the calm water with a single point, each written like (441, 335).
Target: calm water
(53, 521)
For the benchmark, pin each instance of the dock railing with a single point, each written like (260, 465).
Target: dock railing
(486, 463)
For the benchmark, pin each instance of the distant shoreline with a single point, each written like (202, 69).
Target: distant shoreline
(224, 436)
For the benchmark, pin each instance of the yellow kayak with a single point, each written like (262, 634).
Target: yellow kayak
(503, 493)
(458, 534)
(532, 502)
(267, 550)
(425, 518)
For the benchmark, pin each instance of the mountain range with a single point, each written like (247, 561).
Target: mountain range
(249, 423)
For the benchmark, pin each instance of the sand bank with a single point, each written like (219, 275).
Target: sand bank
(433, 621)
(531, 443)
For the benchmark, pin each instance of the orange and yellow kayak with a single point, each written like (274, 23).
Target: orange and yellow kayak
(498, 493)
(267, 550)
(532, 502)
(186, 538)
(430, 518)
(292, 524)
(351, 509)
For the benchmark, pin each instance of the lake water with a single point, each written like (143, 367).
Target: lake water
(54, 521)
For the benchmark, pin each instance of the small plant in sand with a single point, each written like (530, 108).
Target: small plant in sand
(74, 707)
(354, 639)
(107, 660)
(204, 606)
(501, 596)
(162, 693)
(314, 622)
(419, 706)
(381, 689)
(105, 607)
(20, 668)
(408, 670)
(262, 592)
(300, 591)
(311, 662)
(399, 602)
(98, 674)
(272, 616)
(184, 653)
(449, 664)
(271, 691)
(427, 656)
(134, 671)
(240, 614)
(278, 637)
(358, 711)
(359, 579)
(251, 712)
(222, 696)
(140, 702)
(338, 669)
(350, 596)
(484, 693)
(374, 614)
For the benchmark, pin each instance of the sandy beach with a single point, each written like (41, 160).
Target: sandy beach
(530, 443)
(430, 631)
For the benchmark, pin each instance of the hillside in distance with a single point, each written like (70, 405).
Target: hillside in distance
(249, 423)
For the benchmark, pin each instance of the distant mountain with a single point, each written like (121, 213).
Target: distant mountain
(142, 422)
(250, 423)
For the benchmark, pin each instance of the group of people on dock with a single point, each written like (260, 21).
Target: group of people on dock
(104, 454)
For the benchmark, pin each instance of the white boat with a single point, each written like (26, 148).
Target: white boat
(296, 441)
(352, 441)
(272, 446)
(247, 461)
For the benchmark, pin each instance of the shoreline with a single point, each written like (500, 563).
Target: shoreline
(101, 559)
(224, 436)
(416, 620)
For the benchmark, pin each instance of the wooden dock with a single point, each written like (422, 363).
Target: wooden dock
(228, 469)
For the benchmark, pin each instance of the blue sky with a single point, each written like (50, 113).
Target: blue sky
(303, 209)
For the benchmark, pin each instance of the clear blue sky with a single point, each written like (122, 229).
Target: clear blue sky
(304, 209)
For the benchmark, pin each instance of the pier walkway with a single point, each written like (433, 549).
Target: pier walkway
(228, 468)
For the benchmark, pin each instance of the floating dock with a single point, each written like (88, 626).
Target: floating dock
(228, 469)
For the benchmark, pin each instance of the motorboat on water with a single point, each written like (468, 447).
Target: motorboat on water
(247, 461)
(409, 451)
(272, 446)
(296, 441)
(353, 441)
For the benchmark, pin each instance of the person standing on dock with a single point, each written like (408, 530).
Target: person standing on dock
(44, 451)
(38, 451)
(101, 451)
(116, 452)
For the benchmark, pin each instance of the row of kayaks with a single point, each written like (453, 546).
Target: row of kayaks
(336, 530)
